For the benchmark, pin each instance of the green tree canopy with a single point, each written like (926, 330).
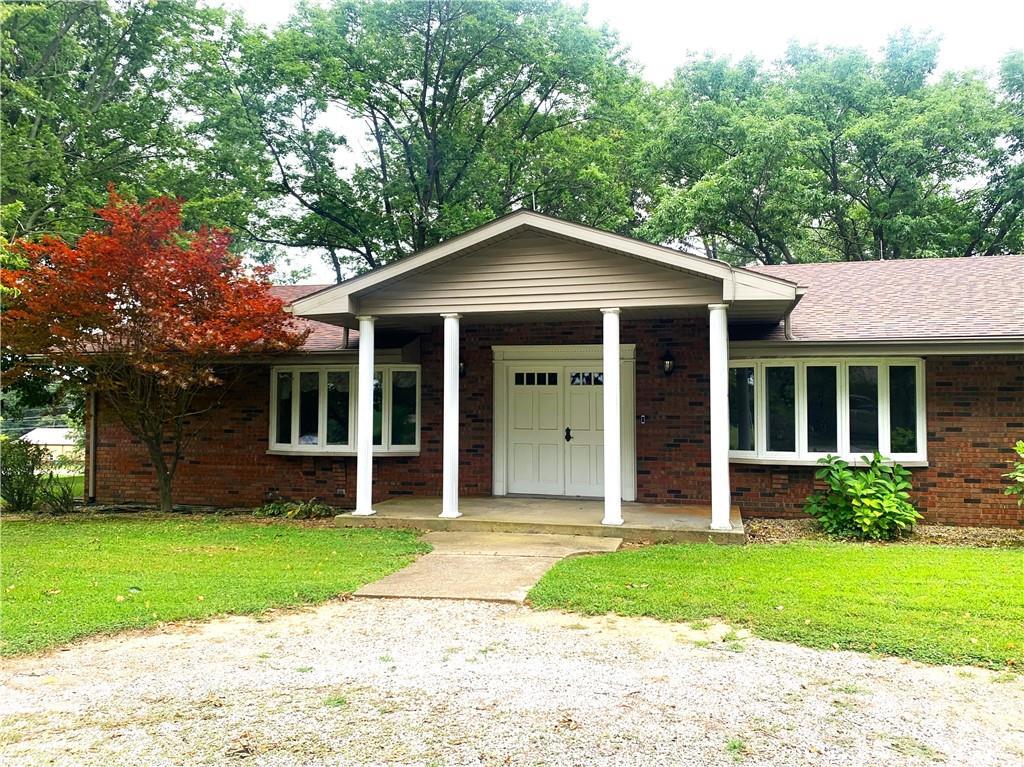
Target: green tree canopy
(102, 93)
(831, 154)
(393, 125)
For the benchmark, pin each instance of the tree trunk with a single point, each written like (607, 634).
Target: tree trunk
(164, 476)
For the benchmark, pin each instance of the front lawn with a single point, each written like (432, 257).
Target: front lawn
(930, 603)
(70, 577)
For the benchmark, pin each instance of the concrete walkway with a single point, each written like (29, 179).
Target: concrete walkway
(492, 567)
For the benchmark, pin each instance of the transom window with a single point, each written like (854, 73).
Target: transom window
(801, 410)
(586, 378)
(536, 379)
(313, 408)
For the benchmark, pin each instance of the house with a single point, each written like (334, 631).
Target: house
(58, 441)
(536, 357)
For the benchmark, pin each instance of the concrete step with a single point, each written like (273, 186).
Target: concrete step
(626, 532)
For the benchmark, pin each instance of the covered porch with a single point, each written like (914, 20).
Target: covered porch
(651, 522)
(564, 411)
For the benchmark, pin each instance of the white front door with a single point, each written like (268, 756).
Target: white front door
(536, 456)
(584, 421)
(556, 433)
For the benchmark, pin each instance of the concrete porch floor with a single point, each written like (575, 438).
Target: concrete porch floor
(657, 522)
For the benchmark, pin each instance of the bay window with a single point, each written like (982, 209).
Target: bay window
(796, 411)
(313, 409)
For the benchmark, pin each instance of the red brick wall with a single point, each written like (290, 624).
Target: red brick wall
(974, 415)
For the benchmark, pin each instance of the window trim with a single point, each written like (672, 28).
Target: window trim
(802, 455)
(348, 449)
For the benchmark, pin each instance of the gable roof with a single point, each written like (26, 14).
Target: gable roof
(733, 284)
(322, 337)
(911, 299)
(49, 435)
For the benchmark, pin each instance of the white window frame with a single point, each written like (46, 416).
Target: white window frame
(802, 455)
(322, 448)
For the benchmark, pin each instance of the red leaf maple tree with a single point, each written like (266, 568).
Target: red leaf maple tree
(155, 319)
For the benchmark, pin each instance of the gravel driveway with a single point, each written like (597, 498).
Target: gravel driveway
(464, 683)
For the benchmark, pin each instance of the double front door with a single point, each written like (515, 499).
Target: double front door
(556, 430)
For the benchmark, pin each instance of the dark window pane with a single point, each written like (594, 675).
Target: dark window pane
(781, 390)
(403, 407)
(575, 379)
(588, 379)
(552, 379)
(283, 434)
(598, 379)
(741, 408)
(822, 434)
(519, 379)
(542, 379)
(337, 407)
(863, 408)
(378, 407)
(903, 409)
(309, 408)
(531, 379)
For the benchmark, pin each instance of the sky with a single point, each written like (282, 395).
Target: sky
(661, 33)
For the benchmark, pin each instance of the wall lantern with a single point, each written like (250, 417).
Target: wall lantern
(668, 363)
(462, 369)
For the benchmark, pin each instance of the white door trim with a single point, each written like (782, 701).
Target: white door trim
(504, 356)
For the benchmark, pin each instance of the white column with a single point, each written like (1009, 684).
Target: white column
(450, 435)
(364, 420)
(719, 382)
(612, 421)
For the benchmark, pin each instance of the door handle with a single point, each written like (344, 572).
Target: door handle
(568, 434)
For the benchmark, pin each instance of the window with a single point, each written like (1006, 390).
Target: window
(780, 410)
(800, 410)
(863, 412)
(313, 409)
(822, 409)
(536, 379)
(741, 409)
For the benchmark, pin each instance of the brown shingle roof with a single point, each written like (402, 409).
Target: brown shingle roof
(906, 300)
(322, 337)
(913, 299)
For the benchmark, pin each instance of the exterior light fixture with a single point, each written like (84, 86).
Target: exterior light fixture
(462, 369)
(668, 363)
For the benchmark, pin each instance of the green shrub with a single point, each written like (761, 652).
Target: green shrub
(1016, 474)
(314, 508)
(872, 503)
(58, 494)
(20, 474)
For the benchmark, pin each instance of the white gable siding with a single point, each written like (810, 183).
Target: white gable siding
(537, 272)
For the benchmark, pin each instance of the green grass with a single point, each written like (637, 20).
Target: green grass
(930, 603)
(77, 483)
(67, 578)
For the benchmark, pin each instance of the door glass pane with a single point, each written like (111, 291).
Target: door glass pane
(741, 408)
(309, 408)
(903, 409)
(403, 407)
(780, 386)
(337, 407)
(378, 406)
(283, 433)
(863, 408)
(822, 433)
